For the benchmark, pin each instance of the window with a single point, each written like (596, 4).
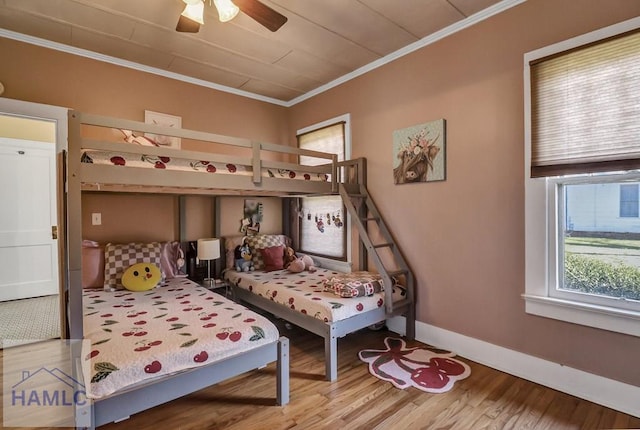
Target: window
(322, 222)
(629, 201)
(582, 174)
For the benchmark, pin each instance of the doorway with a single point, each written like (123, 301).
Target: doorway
(32, 290)
(28, 219)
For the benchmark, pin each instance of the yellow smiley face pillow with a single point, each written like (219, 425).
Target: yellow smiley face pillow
(141, 277)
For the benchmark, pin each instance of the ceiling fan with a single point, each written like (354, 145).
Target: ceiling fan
(193, 15)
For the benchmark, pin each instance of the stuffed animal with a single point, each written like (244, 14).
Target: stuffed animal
(141, 277)
(243, 258)
(297, 264)
(289, 256)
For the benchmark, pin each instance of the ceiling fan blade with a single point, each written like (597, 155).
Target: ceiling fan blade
(262, 13)
(186, 25)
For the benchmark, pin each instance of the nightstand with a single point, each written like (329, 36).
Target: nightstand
(219, 286)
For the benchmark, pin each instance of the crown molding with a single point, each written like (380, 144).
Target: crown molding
(428, 40)
(132, 65)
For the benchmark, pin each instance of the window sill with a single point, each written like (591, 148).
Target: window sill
(331, 264)
(602, 317)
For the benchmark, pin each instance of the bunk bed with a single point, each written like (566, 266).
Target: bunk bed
(85, 172)
(261, 169)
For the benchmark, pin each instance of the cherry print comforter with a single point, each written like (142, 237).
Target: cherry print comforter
(304, 292)
(171, 163)
(136, 336)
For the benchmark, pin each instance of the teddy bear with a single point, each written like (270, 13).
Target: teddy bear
(243, 258)
(289, 256)
(296, 264)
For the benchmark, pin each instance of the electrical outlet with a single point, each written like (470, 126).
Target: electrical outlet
(96, 218)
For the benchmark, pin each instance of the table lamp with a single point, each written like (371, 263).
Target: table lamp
(209, 249)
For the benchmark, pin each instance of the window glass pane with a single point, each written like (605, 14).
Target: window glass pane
(322, 228)
(601, 248)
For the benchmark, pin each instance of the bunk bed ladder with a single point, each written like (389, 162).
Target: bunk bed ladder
(364, 212)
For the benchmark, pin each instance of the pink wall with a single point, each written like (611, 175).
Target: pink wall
(45, 76)
(464, 237)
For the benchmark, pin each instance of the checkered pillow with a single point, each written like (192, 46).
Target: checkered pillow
(118, 257)
(262, 241)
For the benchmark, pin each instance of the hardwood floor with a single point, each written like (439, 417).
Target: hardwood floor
(488, 399)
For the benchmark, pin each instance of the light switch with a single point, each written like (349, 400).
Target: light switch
(96, 218)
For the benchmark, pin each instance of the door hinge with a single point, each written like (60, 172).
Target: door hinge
(54, 232)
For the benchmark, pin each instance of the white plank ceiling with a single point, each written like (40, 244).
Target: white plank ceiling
(323, 41)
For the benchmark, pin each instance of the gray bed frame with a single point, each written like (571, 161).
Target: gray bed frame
(331, 332)
(122, 405)
(84, 176)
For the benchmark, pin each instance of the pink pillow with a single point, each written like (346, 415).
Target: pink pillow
(172, 262)
(273, 257)
(92, 264)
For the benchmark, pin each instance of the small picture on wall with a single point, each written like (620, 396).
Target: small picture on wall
(419, 153)
(164, 120)
(250, 223)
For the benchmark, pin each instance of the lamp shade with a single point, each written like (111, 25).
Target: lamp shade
(194, 11)
(208, 249)
(226, 10)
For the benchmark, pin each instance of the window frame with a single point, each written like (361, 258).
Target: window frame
(543, 226)
(346, 120)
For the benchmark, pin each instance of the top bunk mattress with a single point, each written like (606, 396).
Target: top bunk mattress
(199, 163)
(304, 292)
(138, 336)
(186, 165)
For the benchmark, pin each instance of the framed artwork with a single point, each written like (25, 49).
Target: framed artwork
(419, 153)
(164, 120)
(250, 223)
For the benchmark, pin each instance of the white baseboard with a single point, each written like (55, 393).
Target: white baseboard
(607, 392)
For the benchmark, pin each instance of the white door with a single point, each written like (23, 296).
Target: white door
(28, 251)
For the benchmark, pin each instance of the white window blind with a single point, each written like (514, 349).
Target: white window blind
(586, 109)
(327, 139)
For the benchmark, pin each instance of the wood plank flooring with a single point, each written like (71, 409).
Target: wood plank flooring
(488, 399)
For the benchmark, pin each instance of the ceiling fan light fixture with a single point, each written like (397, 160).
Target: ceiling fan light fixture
(194, 10)
(226, 10)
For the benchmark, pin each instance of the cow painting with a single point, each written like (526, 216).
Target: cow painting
(418, 153)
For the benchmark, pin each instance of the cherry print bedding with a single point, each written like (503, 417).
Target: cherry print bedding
(304, 292)
(135, 336)
(172, 163)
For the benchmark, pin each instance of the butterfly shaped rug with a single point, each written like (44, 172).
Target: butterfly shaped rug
(427, 369)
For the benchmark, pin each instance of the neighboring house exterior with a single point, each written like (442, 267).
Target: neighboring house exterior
(608, 208)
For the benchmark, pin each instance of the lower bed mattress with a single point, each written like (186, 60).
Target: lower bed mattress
(139, 336)
(305, 292)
